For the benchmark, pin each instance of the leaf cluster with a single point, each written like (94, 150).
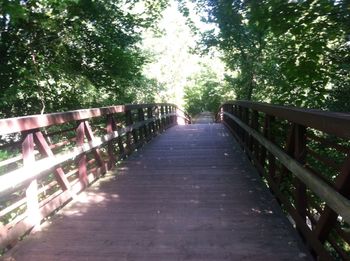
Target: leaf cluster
(285, 52)
(67, 54)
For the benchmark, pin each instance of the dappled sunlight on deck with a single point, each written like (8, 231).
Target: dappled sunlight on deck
(188, 195)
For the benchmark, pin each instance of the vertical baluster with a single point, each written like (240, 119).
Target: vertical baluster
(162, 120)
(173, 110)
(229, 109)
(296, 148)
(268, 133)
(262, 153)
(225, 118)
(141, 118)
(80, 130)
(157, 122)
(235, 125)
(145, 125)
(151, 129)
(246, 136)
(111, 127)
(167, 120)
(134, 132)
(170, 116)
(300, 156)
(128, 123)
(171, 119)
(241, 131)
(254, 145)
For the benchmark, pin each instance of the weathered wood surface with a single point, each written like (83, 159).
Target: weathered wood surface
(304, 156)
(190, 194)
(203, 118)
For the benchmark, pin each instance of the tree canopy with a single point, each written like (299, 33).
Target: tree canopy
(66, 54)
(285, 52)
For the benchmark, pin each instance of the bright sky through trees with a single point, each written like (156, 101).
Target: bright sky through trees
(174, 61)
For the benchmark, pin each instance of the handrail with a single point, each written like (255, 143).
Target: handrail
(74, 147)
(23, 123)
(279, 141)
(184, 115)
(331, 122)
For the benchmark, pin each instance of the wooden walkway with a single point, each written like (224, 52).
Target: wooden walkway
(203, 118)
(190, 194)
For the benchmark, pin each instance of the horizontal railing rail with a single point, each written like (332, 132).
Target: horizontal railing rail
(47, 159)
(304, 156)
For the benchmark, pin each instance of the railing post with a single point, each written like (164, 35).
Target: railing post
(235, 125)
(134, 133)
(225, 119)
(245, 119)
(173, 117)
(267, 132)
(229, 109)
(254, 146)
(142, 129)
(328, 216)
(145, 125)
(122, 152)
(162, 120)
(240, 131)
(80, 130)
(128, 123)
(32, 189)
(158, 121)
(236, 110)
(111, 127)
(167, 120)
(151, 128)
(223, 116)
(300, 156)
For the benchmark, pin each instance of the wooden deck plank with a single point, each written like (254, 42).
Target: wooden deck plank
(191, 194)
(203, 118)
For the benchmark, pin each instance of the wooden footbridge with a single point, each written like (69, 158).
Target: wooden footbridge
(139, 182)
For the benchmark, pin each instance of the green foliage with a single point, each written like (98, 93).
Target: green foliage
(285, 52)
(204, 93)
(67, 54)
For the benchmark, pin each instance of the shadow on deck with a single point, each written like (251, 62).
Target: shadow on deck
(191, 194)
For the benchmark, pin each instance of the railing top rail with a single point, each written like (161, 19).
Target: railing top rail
(18, 124)
(146, 105)
(331, 122)
(29, 122)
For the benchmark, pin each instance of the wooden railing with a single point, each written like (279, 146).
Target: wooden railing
(304, 156)
(50, 158)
